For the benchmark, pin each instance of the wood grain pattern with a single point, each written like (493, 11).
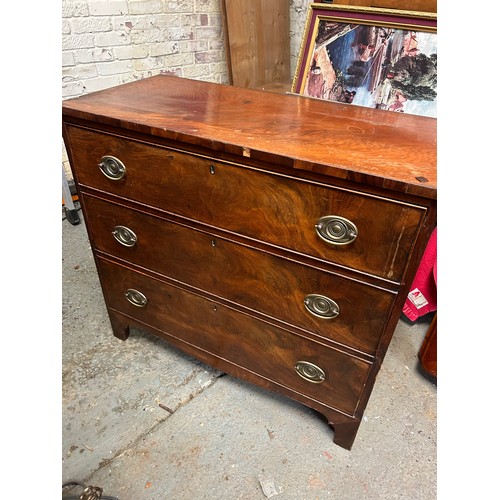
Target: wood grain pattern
(229, 335)
(223, 188)
(277, 210)
(252, 279)
(345, 426)
(428, 350)
(369, 146)
(257, 36)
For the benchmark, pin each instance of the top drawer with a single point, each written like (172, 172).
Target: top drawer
(273, 208)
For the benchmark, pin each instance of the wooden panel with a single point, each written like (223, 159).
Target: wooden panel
(273, 209)
(257, 41)
(221, 331)
(369, 146)
(428, 350)
(250, 278)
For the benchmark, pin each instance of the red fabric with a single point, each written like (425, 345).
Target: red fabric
(422, 298)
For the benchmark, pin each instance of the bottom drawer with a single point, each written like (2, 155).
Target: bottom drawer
(299, 364)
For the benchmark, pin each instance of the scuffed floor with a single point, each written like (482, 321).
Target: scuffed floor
(144, 421)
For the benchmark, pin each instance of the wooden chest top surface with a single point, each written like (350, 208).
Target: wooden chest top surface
(374, 147)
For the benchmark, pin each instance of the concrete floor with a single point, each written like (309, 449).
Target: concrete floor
(144, 421)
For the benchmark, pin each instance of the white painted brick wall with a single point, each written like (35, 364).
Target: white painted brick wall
(106, 43)
(146, 6)
(109, 42)
(107, 7)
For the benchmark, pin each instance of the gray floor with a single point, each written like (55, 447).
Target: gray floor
(143, 421)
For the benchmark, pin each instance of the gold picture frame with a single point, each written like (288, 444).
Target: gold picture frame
(372, 57)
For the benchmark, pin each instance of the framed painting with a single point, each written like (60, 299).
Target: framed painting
(372, 57)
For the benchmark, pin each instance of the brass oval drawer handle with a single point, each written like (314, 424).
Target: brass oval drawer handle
(310, 372)
(136, 298)
(321, 306)
(336, 230)
(124, 235)
(112, 168)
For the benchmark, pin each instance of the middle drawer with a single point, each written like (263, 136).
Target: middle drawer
(325, 304)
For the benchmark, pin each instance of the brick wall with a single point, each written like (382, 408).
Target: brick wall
(107, 43)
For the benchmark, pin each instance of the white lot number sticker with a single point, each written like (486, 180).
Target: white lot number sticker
(417, 298)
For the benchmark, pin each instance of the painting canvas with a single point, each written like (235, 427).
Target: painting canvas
(377, 58)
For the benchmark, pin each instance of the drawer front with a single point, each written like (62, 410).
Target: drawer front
(255, 279)
(255, 345)
(275, 209)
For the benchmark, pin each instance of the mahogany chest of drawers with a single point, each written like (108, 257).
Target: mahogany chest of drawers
(274, 237)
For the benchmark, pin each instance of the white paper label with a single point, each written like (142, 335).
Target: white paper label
(417, 298)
